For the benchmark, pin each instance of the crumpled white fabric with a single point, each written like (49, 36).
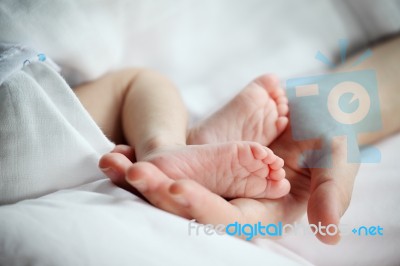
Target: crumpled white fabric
(48, 140)
(100, 224)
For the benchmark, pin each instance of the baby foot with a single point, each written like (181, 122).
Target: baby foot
(257, 113)
(232, 169)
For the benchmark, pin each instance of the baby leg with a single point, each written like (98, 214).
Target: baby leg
(139, 107)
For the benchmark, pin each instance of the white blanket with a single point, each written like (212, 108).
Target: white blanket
(210, 49)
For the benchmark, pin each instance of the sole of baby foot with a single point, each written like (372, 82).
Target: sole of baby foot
(232, 169)
(258, 113)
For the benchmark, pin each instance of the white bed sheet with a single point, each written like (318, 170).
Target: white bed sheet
(101, 224)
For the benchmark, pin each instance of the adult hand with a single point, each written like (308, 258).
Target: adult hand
(324, 192)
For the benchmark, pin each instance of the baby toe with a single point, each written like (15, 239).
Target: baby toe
(270, 158)
(281, 124)
(277, 164)
(283, 109)
(259, 151)
(277, 174)
(277, 189)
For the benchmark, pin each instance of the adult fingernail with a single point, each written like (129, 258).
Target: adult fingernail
(111, 173)
(180, 200)
(138, 183)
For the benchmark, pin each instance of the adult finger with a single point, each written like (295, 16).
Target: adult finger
(203, 205)
(126, 150)
(154, 186)
(331, 190)
(182, 197)
(115, 165)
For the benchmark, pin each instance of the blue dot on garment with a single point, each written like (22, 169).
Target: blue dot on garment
(42, 57)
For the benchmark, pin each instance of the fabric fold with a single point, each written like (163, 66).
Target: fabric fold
(49, 141)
